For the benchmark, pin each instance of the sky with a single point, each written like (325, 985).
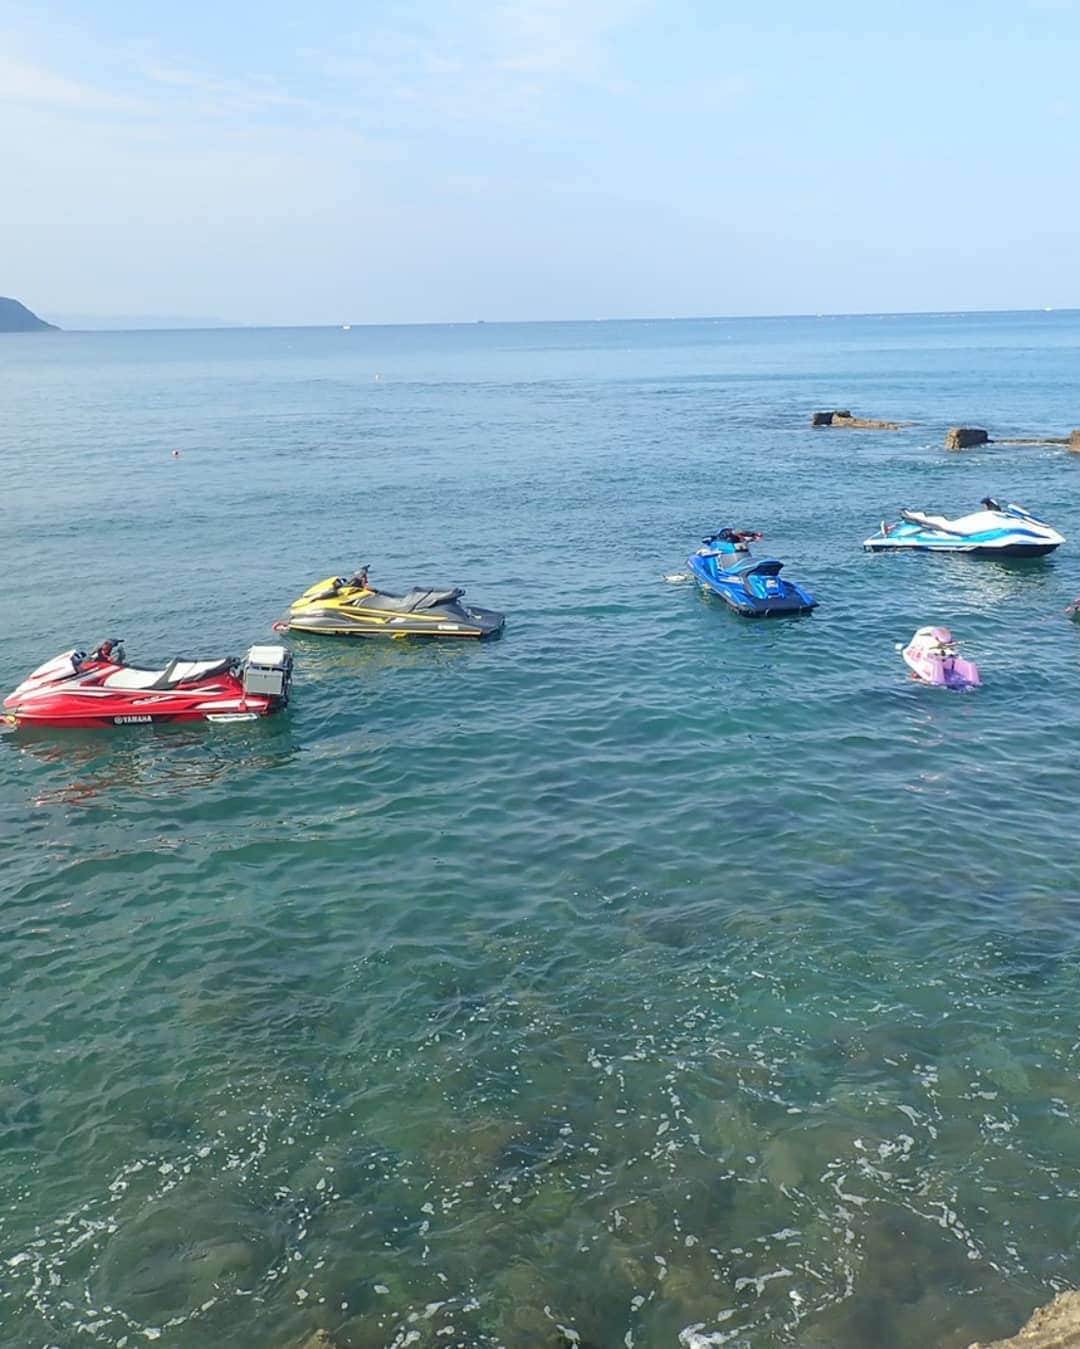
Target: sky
(451, 160)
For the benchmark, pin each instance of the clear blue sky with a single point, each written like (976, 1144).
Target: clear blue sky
(445, 160)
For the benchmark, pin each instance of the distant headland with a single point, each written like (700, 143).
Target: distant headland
(16, 318)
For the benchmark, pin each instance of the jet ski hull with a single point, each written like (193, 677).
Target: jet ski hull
(345, 623)
(82, 692)
(338, 608)
(753, 595)
(883, 545)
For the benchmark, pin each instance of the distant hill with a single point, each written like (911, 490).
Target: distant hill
(16, 318)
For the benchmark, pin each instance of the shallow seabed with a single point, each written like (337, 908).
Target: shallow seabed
(647, 977)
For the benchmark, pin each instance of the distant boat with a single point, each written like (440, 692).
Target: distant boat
(346, 327)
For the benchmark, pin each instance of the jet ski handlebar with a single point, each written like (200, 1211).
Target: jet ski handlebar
(735, 536)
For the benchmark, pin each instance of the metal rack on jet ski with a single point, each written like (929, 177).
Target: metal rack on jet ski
(752, 586)
(352, 607)
(995, 531)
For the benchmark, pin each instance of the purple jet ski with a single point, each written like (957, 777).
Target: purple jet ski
(933, 656)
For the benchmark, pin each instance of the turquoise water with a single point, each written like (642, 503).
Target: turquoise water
(647, 977)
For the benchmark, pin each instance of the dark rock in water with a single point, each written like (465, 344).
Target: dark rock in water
(1055, 1326)
(843, 417)
(963, 437)
(16, 318)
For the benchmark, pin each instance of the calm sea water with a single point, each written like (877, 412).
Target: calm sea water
(648, 977)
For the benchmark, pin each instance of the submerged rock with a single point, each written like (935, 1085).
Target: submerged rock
(179, 1251)
(1055, 1326)
(320, 1340)
(964, 437)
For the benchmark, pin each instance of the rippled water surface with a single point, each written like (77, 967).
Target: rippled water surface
(648, 977)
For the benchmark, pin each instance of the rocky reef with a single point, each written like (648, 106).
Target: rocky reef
(956, 438)
(16, 318)
(844, 417)
(1055, 1326)
(964, 437)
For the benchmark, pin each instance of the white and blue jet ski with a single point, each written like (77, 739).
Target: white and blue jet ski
(995, 531)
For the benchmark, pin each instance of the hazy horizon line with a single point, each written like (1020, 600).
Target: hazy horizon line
(177, 323)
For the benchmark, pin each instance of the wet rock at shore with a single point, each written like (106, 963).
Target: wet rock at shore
(843, 417)
(1055, 1326)
(964, 437)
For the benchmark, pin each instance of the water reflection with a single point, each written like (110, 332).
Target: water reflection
(328, 658)
(82, 768)
(985, 580)
(997, 580)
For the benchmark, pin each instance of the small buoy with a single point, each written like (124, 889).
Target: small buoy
(176, 454)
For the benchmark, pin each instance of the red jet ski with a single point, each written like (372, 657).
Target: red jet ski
(101, 689)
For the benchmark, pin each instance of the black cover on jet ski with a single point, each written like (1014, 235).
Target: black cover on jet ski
(409, 603)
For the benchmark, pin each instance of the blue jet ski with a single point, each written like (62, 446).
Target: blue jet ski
(752, 586)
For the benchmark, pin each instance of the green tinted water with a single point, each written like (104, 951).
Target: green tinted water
(646, 977)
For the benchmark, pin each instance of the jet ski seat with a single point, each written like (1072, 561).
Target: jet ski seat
(431, 599)
(412, 601)
(176, 672)
(937, 522)
(763, 566)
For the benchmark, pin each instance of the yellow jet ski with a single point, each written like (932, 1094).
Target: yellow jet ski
(353, 608)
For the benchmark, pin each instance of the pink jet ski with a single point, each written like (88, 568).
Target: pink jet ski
(934, 658)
